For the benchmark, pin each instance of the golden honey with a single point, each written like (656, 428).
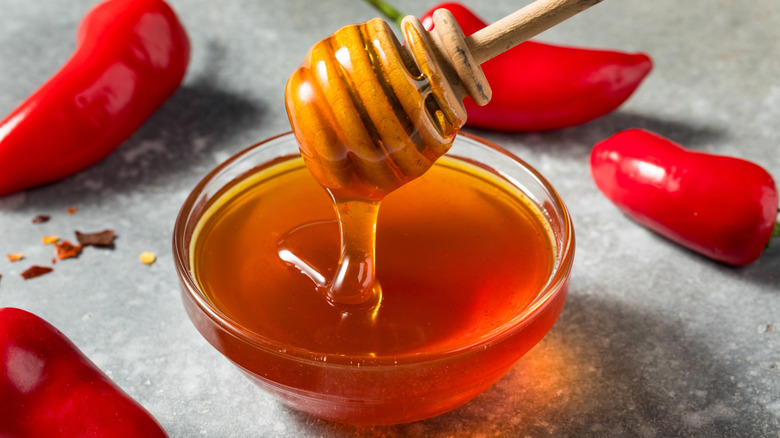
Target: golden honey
(458, 254)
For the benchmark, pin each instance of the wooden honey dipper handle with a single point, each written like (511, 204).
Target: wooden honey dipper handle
(464, 55)
(522, 25)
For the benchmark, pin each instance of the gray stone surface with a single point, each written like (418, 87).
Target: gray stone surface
(655, 341)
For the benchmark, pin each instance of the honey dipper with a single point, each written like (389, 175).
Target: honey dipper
(370, 114)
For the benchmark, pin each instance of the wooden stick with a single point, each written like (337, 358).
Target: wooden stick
(463, 56)
(522, 25)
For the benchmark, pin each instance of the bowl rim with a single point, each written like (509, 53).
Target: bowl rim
(560, 275)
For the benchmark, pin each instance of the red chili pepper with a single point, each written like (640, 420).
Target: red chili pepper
(538, 86)
(723, 207)
(131, 56)
(48, 388)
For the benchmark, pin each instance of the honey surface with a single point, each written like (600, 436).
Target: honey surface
(458, 254)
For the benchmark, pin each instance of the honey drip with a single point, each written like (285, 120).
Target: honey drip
(369, 115)
(352, 285)
(355, 278)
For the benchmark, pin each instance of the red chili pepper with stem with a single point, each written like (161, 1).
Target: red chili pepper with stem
(723, 207)
(49, 388)
(131, 56)
(538, 86)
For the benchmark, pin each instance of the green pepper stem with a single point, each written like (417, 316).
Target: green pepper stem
(776, 230)
(390, 12)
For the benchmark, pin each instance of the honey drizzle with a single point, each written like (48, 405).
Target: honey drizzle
(370, 115)
(354, 283)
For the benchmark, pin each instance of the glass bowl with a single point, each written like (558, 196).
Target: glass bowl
(365, 389)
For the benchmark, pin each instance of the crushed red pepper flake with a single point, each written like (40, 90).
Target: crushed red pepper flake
(35, 271)
(72, 210)
(15, 257)
(67, 250)
(50, 239)
(100, 238)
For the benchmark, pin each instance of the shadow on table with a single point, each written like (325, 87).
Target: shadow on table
(765, 271)
(685, 133)
(604, 370)
(577, 141)
(198, 117)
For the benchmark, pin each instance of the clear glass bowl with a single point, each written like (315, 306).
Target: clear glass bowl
(365, 390)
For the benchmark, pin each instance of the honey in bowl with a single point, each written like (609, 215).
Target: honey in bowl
(473, 259)
(458, 255)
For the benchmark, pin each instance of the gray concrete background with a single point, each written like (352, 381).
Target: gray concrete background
(655, 341)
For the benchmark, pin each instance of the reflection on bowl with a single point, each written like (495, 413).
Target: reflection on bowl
(407, 362)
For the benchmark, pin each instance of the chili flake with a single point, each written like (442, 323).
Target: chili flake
(148, 258)
(72, 210)
(35, 271)
(15, 257)
(101, 238)
(41, 218)
(50, 239)
(67, 250)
